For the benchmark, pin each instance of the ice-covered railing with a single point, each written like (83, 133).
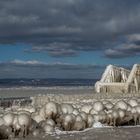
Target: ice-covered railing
(118, 79)
(133, 81)
(115, 74)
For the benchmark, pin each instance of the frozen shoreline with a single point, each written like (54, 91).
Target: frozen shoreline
(77, 96)
(34, 91)
(129, 133)
(85, 91)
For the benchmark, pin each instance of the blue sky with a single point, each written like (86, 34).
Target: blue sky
(17, 52)
(71, 38)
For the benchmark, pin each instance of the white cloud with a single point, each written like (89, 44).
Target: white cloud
(30, 62)
(133, 37)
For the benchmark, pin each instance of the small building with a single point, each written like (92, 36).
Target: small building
(119, 80)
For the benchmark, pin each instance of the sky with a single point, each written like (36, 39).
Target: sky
(67, 38)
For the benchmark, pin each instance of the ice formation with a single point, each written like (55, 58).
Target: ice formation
(119, 80)
(20, 123)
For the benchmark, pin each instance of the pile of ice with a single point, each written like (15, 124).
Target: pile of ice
(52, 117)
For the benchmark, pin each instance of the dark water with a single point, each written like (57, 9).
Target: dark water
(46, 82)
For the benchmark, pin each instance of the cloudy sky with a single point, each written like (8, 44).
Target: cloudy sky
(67, 38)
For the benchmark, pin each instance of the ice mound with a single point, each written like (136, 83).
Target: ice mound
(98, 125)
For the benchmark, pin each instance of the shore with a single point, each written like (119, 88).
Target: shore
(124, 133)
(79, 94)
(76, 96)
(34, 91)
